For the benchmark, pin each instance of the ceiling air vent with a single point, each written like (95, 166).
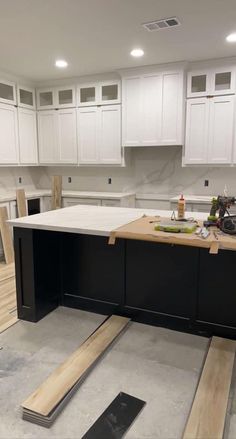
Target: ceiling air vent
(161, 24)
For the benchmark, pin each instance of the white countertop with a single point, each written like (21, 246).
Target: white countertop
(11, 195)
(202, 199)
(91, 220)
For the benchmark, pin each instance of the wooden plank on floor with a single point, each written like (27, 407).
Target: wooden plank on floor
(208, 412)
(7, 271)
(6, 236)
(6, 322)
(56, 191)
(59, 383)
(21, 202)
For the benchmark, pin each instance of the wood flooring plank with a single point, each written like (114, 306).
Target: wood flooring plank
(6, 236)
(59, 383)
(8, 323)
(207, 415)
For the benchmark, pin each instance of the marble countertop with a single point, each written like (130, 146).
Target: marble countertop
(202, 199)
(91, 220)
(11, 195)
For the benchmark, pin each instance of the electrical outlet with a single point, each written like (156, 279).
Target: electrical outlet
(206, 183)
(69, 179)
(109, 180)
(20, 180)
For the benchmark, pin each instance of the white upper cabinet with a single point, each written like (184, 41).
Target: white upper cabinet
(99, 93)
(9, 148)
(57, 136)
(209, 130)
(7, 92)
(26, 97)
(211, 82)
(109, 134)
(28, 150)
(99, 135)
(88, 135)
(152, 108)
(67, 139)
(56, 97)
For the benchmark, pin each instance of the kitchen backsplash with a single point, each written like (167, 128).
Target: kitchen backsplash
(153, 170)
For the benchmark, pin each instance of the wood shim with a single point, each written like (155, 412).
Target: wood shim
(6, 236)
(44, 400)
(207, 417)
(21, 203)
(56, 191)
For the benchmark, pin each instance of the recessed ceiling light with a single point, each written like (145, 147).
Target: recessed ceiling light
(137, 52)
(231, 38)
(61, 63)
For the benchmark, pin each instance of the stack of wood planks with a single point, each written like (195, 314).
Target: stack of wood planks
(7, 296)
(46, 402)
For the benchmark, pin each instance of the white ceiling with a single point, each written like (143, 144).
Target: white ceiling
(96, 36)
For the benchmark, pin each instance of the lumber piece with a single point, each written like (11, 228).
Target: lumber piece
(44, 399)
(56, 191)
(207, 416)
(6, 236)
(7, 322)
(7, 271)
(21, 203)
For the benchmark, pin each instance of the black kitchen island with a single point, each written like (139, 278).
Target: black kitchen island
(176, 286)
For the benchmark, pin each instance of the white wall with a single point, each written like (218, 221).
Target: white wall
(155, 170)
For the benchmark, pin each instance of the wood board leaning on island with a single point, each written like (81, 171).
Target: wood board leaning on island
(143, 229)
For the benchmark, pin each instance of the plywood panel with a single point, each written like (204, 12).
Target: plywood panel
(207, 416)
(21, 202)
(6, 236)
(56, 191)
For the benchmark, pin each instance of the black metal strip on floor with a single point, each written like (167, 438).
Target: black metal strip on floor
(116, 419)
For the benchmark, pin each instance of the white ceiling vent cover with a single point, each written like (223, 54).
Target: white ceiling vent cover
(161, 24)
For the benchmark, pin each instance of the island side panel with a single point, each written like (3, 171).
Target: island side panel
(161, 282)
(93, 273)
(37, 260)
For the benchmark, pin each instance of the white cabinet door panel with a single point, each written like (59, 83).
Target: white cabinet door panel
(171, 114)
(27, 136)
(197, 123)
(48, 136)
(67, 138)
(88, 135)
(151, 109)
(109, 134)
(9, 148)
(131, 112)
(221, 129)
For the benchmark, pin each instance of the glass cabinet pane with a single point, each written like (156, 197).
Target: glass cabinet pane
(26, 97)
(198, 84)
(110, 92)
(65, 97)
(223, 81)
(87, 94)
(45, 98)
(6, 92)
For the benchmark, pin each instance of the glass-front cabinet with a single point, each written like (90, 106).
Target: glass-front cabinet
(56, 97)
(46, 99)
(100, 93)
(217, 81)
(26, 97)
(7, 92)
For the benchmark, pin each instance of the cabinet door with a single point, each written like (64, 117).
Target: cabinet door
(131, 111)
(172, 109)
(7, 92)
(67, 138)
(26, 97)
(65, 97)
(223, 81)
(48, 136)
(197, 124)
(109, 93)
(87, 95)
(9, 148)
(27, 136)
(151, 109)
(88, 135)
(221, 125)
(46, 99)
(199, 83)
(109, 134)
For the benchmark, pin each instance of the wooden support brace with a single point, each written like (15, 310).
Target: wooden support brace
(6, 236)
(214, 248)
(56, 192)
(112, 238)
(21, 203)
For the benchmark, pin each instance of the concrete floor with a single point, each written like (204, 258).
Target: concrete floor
(157, 365)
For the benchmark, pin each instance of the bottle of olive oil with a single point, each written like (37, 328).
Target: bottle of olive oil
(181, 207)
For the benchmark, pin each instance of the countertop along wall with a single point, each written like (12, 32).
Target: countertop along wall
(150, 172)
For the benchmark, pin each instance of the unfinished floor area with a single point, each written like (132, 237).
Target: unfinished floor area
(157, 365)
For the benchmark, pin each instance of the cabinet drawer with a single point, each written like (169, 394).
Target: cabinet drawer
(113, 203)
(86, 201)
